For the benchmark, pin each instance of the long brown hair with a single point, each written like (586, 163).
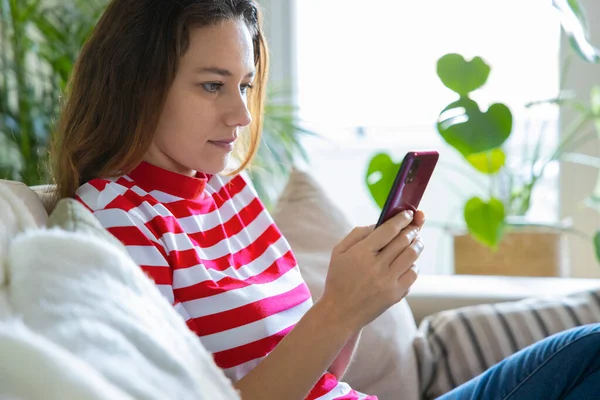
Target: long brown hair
(121, 79)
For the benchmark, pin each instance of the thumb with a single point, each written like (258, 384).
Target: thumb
(356, 235)
(419, 218)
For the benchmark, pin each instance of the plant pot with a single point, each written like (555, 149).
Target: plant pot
(523, 252)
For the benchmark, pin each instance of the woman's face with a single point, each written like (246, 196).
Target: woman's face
(206, 106)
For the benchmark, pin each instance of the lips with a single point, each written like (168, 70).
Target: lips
(226, 144)
(224, 141)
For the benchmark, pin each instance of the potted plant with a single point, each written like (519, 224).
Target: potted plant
(499, 238)
(496, 224)
(280, 147)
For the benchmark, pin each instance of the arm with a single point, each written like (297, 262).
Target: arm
(301, 357)
(293, 367)
(327, 334)
(342, 362)
(291, 370)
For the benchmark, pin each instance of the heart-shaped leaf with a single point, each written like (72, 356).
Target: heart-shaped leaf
(470, 131)
(380, 177)
(462, 76)
(489, 162)
(485, 220)
(595, 114)
(574, 24)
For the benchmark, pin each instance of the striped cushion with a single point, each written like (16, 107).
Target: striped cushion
(462, 343)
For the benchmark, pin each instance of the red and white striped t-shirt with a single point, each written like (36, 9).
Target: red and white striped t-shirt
(215, 253)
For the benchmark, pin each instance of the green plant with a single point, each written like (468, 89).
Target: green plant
(280, 146)
(480, 137)
(40, 40)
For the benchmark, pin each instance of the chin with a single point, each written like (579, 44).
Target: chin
(213, 168)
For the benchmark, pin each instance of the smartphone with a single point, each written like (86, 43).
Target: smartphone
(410, 183)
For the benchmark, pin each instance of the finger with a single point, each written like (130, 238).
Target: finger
(356, 235)
(408, 278)
(385, 233)
(419, 219)
(390, 252)
(415, 268)
(406, 281)
(408, 257)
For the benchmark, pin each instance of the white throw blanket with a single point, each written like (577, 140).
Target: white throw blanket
(88, 324)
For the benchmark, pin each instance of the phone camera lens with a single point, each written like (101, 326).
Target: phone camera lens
(410, 177)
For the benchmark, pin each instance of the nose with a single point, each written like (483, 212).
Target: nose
(238, 114)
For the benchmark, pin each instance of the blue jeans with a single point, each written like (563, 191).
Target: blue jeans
(563, 366)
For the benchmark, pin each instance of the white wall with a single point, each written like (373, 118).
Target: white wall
(577, 182)
(279, 29)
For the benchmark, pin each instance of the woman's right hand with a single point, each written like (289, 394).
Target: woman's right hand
(373, 269)
(370, 270)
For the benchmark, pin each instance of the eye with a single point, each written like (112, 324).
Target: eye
(244, 88)
(212, 87)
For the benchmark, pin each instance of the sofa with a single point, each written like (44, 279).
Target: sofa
(61, 273)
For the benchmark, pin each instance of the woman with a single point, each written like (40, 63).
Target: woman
(158, 101)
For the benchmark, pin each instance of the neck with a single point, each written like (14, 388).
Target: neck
(163, 161)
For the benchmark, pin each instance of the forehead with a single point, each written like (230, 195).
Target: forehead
(227, 45)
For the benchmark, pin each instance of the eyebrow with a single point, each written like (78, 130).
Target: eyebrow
(220, 71)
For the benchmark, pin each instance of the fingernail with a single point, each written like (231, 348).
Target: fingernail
(410, 213)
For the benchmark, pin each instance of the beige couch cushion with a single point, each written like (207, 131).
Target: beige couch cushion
(46, 193)
(385, 364)
(434, 293)
(29, 199)
(15, 216)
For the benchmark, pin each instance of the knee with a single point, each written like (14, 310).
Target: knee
(585, 335)
(589, 329)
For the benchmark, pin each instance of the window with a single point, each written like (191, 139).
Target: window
(366, 81)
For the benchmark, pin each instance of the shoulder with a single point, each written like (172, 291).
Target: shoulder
(104, 193)
(121, 207)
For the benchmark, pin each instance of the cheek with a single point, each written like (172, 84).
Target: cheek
(190, 119)
(197, 113)
(173, 115)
